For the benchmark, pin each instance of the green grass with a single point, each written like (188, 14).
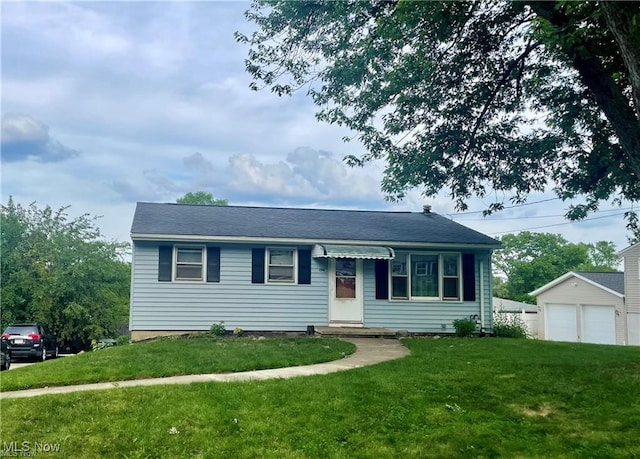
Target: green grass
(449, 398)
(175, 356)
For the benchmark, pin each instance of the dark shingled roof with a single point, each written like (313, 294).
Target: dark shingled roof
(611, 280)
(314, 224)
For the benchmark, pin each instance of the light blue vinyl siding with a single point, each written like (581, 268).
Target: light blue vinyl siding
(234, 300)
(426, 316)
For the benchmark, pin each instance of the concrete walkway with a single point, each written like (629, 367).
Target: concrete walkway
(369, 352)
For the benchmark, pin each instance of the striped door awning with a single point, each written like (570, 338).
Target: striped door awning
(373, 252)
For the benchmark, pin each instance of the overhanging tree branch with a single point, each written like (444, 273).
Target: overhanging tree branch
(506, 76)
(608, 95)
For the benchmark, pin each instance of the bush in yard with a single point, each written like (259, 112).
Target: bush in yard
(464, 327)
(97, 345)
(122, 340)
(508, 326)
(218, 329)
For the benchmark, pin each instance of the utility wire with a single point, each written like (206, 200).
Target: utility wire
(507, 207)
(488, 219)
(555, 224)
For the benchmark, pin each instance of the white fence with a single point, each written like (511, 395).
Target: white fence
(528, 318)
(509, 311)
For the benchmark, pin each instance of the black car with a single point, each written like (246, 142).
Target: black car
(5, 356)
(31, 341)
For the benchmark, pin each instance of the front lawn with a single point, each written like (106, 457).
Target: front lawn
(175, 356)
(450, 398)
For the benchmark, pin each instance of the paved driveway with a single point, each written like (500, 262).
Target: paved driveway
(25, 363)
(20, 364)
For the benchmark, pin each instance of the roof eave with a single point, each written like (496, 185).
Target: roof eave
(566, 276)
(274, 240)
(627, 249)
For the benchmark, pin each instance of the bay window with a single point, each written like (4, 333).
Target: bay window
(426, 276)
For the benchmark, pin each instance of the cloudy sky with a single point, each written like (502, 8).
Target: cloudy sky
(108, 103)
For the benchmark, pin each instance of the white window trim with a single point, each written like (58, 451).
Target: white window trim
(441, 276)
(174, 267)
(407, 268)
(295, 266)
(459, 276)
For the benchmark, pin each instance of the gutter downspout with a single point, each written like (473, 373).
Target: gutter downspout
(131, 288)
(481, 296)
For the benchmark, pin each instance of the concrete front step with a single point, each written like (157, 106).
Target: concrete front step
(355, 332)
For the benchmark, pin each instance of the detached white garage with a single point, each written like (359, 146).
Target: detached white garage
(583, 307)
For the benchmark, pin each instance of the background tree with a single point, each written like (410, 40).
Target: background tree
(63, 273)
(529, 260)
(203, 198)
(603, 256)
(469, 96)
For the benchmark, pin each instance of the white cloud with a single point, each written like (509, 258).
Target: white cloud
(307, 174)
(21, 128)
(24, 137)
(76, 28)
(332, 177)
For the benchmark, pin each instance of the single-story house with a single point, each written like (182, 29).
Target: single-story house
(631, 262)
(284, 269)
(510, 310)
(586, 307)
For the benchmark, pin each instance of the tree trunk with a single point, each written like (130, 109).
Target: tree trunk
(616, 107)
(620, 17)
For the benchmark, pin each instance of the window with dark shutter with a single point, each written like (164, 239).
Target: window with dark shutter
(257, 266)
(213, 264)
(165, 253)
(469, 277)
(304, 266)
(382, 279)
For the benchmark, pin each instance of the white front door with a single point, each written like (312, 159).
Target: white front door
(345, 292)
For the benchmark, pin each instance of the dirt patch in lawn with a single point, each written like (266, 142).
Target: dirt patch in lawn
(543, 411)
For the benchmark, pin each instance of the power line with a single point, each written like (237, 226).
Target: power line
(555, 224)
(488, 219)
(507, 207)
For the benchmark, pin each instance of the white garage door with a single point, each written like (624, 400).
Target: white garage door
(598, 324)
(561, 322)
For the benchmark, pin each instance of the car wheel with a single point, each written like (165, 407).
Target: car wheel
(44, 354)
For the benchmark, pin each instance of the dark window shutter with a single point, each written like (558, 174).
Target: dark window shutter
(468, 277)
(257, 266)
(213, 264)
(165, 254)
(382, 279)
(304, 266)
